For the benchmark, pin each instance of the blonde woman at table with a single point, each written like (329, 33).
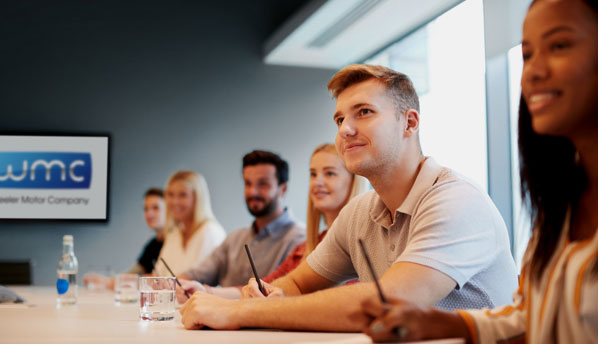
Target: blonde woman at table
(557, 299)
(192, 231)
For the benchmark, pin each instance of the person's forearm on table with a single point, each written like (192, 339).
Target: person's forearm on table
(232, 293)
(326, 310)
(288, 285)
(329, 309)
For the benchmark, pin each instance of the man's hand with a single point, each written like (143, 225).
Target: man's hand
(188, 286)
(251, 290)
(205, 310)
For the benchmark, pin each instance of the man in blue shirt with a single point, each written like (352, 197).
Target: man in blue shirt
(271, 237)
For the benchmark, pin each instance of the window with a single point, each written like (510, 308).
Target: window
(446, 61)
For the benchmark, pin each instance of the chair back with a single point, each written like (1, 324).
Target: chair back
(15, 272)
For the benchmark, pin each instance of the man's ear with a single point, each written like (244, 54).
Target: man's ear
(411, 122)
(283, 188)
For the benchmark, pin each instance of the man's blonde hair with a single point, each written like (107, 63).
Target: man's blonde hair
(398, 85)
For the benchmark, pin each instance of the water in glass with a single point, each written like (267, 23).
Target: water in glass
(157, 304)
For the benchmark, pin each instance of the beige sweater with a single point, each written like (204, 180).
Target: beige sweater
(563, 308)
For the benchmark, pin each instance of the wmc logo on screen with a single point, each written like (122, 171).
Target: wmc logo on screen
(45, 170)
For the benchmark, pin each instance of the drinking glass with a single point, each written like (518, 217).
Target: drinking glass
(157, 298)
(97, 279)
(126, 288)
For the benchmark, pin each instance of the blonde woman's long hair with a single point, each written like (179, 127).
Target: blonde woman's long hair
(202, 212)
(358, 185)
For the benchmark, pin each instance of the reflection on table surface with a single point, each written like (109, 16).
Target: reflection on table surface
(97, 319)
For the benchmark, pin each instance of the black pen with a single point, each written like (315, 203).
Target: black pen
(176, 279)
(257, 277)
(400, 331)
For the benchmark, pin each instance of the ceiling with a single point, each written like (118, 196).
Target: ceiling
(334, 33)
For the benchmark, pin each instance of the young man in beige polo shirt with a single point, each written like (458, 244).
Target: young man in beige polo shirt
(432, 235)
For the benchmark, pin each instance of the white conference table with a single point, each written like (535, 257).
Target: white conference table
(97, 319)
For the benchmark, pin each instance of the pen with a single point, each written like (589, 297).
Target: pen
(400, 331)
(257, 277)
(176, 279)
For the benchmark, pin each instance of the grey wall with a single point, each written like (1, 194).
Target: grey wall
(177, 85)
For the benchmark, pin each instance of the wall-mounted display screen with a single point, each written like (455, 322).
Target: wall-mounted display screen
(53, 177)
